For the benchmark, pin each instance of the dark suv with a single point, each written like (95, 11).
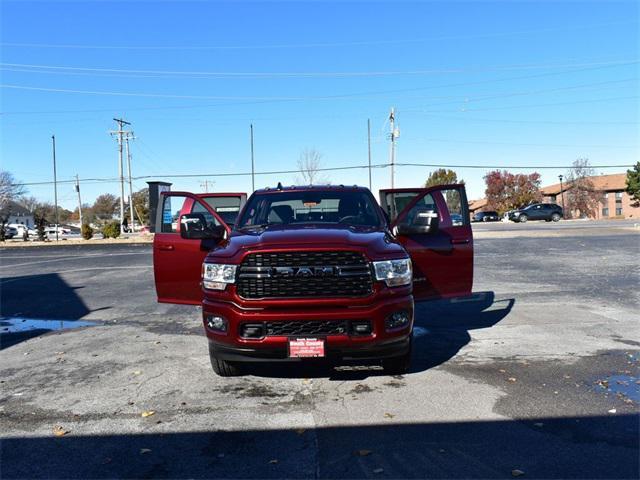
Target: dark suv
(486, 217)
(549, 212)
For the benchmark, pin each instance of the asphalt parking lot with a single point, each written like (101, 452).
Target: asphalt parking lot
(536, 375)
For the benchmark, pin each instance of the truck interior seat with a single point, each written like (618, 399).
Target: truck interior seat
(280, 214)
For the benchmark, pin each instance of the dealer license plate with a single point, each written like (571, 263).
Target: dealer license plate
(306, 348)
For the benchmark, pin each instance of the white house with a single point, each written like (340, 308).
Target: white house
(18, 215)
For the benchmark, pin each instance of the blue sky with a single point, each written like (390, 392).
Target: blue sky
(473, 83)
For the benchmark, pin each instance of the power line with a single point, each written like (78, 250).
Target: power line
(276, 99)
(266, 99)
(354, 43)
(516, 121)
(327, 169)
(576, 102)
(180, 73)
(543, 145)
(501, 95)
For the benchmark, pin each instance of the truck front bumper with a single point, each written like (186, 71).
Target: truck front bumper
(379, 344)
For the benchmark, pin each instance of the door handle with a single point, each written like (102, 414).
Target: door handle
(166, 247)
(459, 241)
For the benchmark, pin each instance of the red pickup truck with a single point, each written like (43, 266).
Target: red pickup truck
(301, 273)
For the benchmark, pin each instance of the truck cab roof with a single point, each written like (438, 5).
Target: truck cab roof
(310, 188)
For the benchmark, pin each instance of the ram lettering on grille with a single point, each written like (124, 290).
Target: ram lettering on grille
(304, 274)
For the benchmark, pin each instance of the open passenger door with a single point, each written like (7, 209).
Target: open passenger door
(434, 227)
(177, 261)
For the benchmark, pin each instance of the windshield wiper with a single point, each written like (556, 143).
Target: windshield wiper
(254, 227)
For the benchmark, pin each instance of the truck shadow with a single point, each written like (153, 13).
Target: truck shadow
(33, 305)
(561, 447)
(441, 329)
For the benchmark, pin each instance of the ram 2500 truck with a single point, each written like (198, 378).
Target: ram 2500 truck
(301, 273)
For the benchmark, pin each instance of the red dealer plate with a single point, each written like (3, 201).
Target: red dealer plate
(306, 347)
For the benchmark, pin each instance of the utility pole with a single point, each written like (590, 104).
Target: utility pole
(130, 184)
(205, 185)
(253, 170)
(55, 183)
(392, 153)
(120, 133)
(79, 201)
(369, 148)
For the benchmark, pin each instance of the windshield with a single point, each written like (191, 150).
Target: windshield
(311, 207)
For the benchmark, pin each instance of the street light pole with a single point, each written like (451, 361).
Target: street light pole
(55, 183)
(562, 196)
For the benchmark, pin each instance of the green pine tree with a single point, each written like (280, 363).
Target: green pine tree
(633, 184)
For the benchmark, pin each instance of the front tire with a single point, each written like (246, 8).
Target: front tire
(222, 367)
(555, 217)
(522, 218)
(398, 365)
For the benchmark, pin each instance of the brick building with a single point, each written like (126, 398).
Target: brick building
(477, 205)
(614, 203)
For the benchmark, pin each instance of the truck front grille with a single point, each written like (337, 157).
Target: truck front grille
(304, 275)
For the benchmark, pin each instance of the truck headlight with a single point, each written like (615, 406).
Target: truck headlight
(394, 272)
(216, 276)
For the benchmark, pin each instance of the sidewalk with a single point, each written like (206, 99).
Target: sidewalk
(123, 240)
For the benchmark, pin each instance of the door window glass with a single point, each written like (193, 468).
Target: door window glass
(226, 207)
(457, 210)
(424, 206)
(172, 208)
(208, 216)
(397, 201)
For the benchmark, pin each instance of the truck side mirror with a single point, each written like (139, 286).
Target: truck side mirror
(423, 222)
(193, 226)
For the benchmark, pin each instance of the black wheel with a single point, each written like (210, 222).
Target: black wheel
(522, 218)
(555, 217)
(222, 367)
(398, 365)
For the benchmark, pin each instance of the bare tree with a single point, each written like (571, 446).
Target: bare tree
(582, 197)
(309, 164)
(9, 189)
(29, 202)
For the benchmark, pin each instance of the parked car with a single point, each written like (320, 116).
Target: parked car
(10, 232)
(20, 228)
(549, 212)
(488, 216)
(314, 272)
(456, 219)
(51, 230)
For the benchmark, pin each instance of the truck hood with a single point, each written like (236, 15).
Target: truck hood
(377, 244)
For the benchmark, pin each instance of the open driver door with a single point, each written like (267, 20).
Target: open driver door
(177, 261)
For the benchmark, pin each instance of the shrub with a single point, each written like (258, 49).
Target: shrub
(40, 221)
(111, 230)
(86, 231)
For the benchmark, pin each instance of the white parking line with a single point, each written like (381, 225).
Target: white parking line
(74, 257)
(26, 277)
